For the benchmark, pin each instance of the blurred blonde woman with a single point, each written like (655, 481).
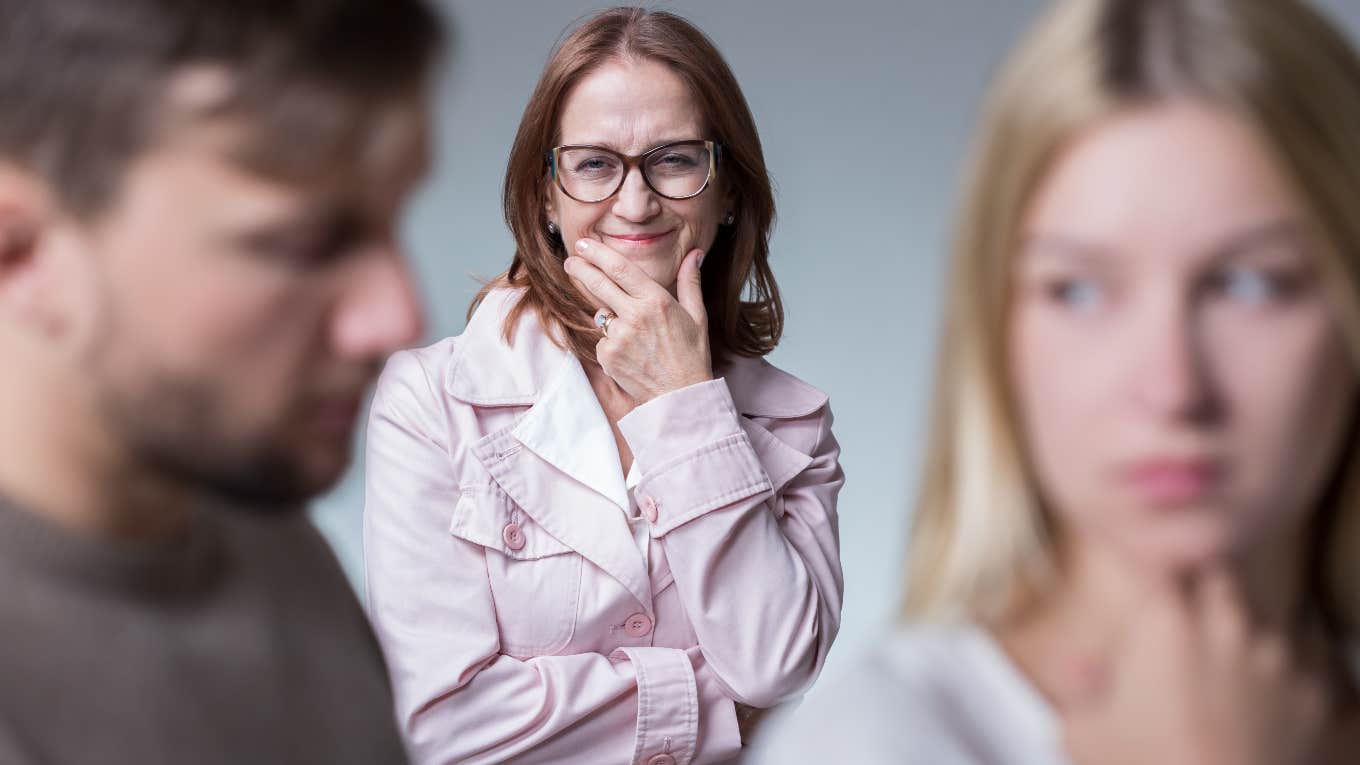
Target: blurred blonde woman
(1136, 540)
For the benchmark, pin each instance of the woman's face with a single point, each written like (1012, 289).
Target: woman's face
(1182, 385)
(631, 106)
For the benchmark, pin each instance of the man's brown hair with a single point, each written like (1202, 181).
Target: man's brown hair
(83, 83)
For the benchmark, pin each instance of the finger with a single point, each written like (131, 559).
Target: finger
(1162, 625)
(1221, 612)
(622, 271)
(689, 287)
(599, 286)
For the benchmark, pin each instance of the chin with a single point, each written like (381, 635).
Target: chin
(1185, 543)
(662, 275)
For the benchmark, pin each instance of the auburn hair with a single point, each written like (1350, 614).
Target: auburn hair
(745, 314)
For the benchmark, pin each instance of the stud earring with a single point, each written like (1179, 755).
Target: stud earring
(552, 229)
(730, 219)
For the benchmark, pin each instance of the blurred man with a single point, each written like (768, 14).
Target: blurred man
(199, 277)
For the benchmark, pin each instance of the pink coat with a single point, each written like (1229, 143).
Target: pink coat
(520, 617)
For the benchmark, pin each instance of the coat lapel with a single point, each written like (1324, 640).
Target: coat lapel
(563, 435)
(574, 513)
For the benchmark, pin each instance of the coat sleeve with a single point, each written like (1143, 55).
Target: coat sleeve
(755, 555)
(459, 699)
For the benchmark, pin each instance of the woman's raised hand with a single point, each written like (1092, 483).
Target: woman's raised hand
(657, 343)
(1194, 682)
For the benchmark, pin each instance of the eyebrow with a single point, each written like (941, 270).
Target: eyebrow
(326, 223)
(1283, 230)
(614, 147)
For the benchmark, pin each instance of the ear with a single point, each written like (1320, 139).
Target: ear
(550, 209)
(29, 268)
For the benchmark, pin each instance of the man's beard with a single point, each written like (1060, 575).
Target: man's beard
(179, 430)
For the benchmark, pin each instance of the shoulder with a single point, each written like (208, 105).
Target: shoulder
(409, 390)
(418, 368)
(760, 389)
(914, 697)
(919, 666)
(285, 559)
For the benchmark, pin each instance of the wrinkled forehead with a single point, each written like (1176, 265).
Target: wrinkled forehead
(303, 133)
(630, 105)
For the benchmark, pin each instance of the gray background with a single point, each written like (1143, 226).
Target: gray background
(865, 110)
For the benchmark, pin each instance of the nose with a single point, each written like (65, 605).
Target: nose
(379, 311)
(1171, 379)
(636, 201)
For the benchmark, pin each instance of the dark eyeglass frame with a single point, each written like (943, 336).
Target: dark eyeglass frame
(715, 151)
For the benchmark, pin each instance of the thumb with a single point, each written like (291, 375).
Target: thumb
(689, 290)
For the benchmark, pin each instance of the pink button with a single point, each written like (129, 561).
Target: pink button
(638, 625)
(513, 536)
(662, 759)
(649, 508)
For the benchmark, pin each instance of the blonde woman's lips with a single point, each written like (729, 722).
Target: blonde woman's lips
(1173, 482)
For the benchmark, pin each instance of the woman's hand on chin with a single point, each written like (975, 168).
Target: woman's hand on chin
(1195, 682)
(655, 343)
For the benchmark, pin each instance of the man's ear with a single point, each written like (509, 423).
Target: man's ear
(29, 275)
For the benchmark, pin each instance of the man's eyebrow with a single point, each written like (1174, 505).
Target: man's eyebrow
(323, 223)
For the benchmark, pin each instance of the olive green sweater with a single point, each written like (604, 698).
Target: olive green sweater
(238, 642)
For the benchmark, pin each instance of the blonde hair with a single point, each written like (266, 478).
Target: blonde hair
(981, 543)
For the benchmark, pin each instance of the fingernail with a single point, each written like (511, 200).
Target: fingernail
(582, 245)
(700, 264)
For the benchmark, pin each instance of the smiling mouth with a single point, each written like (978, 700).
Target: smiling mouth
(640, 240)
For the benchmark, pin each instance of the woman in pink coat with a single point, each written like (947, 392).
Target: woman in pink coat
(599, 527)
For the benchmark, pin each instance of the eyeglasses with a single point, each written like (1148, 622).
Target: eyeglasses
(678, 170)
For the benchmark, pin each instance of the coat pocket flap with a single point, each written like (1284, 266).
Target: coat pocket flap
(486, 516)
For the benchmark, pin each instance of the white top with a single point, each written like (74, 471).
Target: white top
(641, 528)
(593, 435)
(927, 695)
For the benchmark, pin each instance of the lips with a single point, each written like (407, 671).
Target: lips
(1169, 482)
(640, 239)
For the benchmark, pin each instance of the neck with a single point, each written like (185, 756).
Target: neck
(616, 403)
(62, 463)
(613, 398)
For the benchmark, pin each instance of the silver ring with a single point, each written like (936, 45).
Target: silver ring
(602, 319)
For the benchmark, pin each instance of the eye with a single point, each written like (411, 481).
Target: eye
(1251, 286)
(596, 164)
(1080, 295)
(676, 159)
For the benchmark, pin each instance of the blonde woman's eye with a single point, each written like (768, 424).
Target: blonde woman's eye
(1078, 295)
(1251, 286)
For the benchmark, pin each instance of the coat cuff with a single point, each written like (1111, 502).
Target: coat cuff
(693, 455)
(668, 705)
